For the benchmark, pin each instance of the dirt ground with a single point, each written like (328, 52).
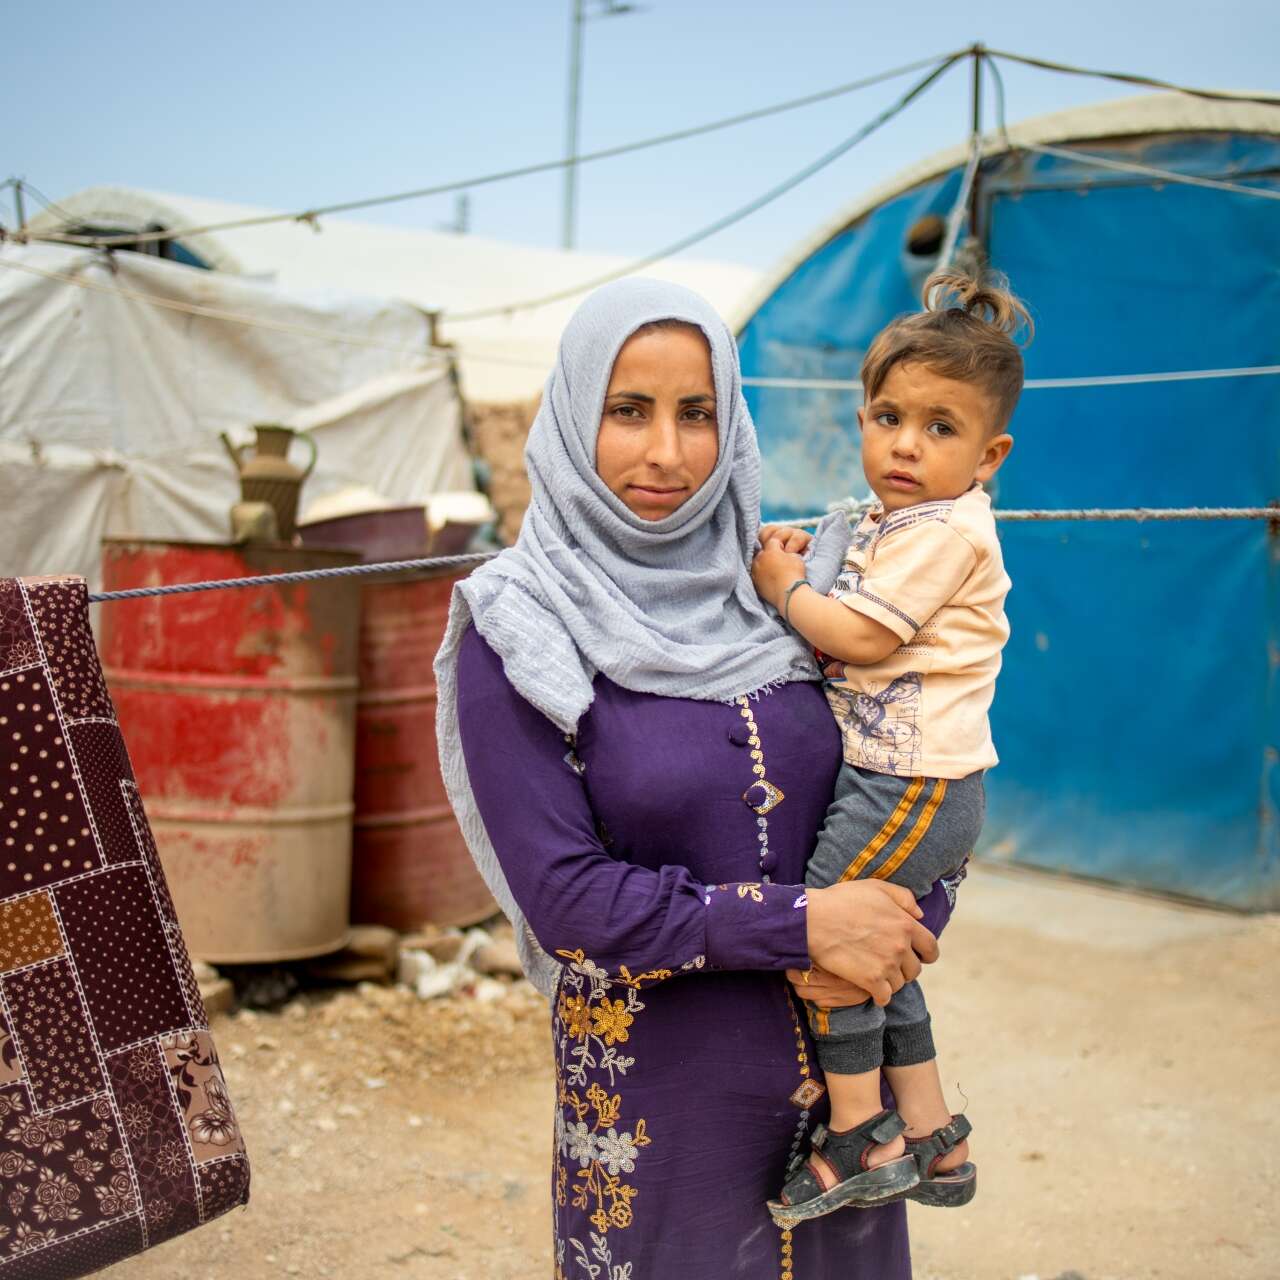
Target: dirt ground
(1120, 1057)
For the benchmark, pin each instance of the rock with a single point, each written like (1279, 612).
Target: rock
(374, 941)
(488, 990)
(497, 956)
(428, 979)
(440, 944)
(218, 994)
(369, 956)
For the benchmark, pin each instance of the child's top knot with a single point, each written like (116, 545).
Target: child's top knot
(989, 301)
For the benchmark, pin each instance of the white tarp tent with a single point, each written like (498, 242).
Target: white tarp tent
(111, 405)
(501, 358)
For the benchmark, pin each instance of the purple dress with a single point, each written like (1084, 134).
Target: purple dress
(684, 1074)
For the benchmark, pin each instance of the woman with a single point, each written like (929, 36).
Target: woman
(640, 760)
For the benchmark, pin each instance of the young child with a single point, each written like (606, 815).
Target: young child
(910, 637)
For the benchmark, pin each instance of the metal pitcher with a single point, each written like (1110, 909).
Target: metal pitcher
(268, 475)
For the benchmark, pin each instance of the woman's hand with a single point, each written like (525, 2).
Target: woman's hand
(869, 933)
(773, 571)
(824, 989)
(789, 539)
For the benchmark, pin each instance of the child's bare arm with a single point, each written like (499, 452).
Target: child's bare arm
(837, 630)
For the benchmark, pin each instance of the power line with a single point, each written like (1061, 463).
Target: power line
(504, 175)
(721, 223)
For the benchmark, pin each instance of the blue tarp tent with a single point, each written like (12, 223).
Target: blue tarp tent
(1136, 717)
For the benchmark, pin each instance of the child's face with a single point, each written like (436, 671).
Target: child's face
(926, 437)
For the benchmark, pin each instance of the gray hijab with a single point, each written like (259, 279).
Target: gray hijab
(663, 606)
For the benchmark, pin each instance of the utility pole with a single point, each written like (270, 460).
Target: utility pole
(577, 16)
(567, 228)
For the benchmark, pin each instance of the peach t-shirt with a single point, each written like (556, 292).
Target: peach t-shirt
(933, 575)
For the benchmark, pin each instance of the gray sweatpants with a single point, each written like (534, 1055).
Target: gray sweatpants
(912, 832)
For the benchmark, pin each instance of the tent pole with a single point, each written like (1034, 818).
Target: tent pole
(979, 54)
(17, 205)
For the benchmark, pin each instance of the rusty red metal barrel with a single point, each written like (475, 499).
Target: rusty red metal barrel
(410, 863)
(239, 707)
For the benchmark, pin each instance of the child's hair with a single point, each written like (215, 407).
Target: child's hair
(965, 332)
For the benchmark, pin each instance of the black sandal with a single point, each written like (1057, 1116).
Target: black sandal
(845, 1155)
(954, 1187)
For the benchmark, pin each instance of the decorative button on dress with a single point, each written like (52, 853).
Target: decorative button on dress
(661, 859)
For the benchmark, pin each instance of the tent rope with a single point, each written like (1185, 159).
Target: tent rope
(728, 220)
(1148, 171)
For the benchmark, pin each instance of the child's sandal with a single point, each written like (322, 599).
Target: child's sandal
(953, 1187)
(844, 1156)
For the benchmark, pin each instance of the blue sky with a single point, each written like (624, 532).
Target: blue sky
(287, 104)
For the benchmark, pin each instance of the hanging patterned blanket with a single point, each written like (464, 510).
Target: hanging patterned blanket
(116, 1131)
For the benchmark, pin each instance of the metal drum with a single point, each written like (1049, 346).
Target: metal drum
(410, 864)
(239, 710)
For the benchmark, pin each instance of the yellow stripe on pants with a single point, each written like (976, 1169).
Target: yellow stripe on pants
(886, 833)
(916, 834)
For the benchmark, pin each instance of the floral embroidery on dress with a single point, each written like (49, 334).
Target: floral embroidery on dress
(594, 1148)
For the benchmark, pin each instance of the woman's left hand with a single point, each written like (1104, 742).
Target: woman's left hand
(825, 989)
(774, 570)
(784, 536)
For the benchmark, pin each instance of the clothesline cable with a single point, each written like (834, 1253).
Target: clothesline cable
(1035, 384)
(504, 175)
(298, 575)
(687, 242)
(452, 562)
(1137, 514)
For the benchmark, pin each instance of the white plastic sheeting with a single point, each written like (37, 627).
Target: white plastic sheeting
(501, 357)
(111, 407)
